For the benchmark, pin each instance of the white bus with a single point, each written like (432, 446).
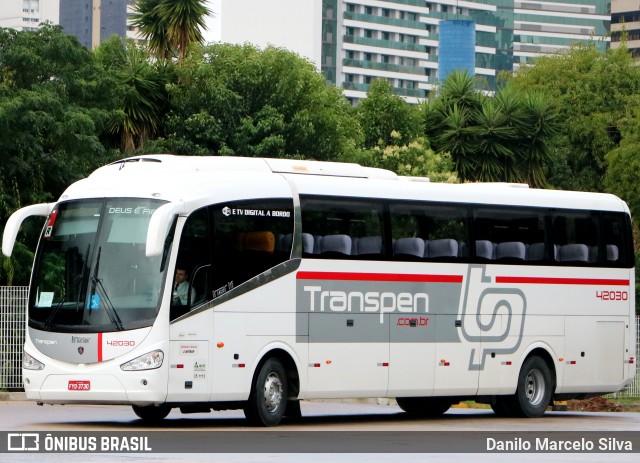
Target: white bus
(323, 280)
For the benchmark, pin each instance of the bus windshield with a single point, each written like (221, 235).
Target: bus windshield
(91, 273)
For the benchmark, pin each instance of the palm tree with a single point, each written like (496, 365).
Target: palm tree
(541, 119)
(451, 123)
(500, 138)
(494, 144)
(170, 26)
(141, 89)
(152, 27)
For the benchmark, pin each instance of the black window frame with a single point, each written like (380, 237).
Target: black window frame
(626, 258)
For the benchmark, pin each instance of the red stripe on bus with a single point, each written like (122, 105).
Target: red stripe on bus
(399, 277)
(562, 281)
(99, 347)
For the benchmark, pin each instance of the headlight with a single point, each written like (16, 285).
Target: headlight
(29, 363)
(149, 361)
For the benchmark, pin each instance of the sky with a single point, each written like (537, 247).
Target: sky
(213, 23)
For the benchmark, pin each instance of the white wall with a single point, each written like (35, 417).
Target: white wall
(292, 24)
(11, 13)
(50, 11)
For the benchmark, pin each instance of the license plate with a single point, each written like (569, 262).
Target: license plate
(79, 385)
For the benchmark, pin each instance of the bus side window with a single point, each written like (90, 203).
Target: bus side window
(195, 258)
(615, 252)
(249, 237)
(429, 231)
(575, 238)
(510, 235)
(343, 229)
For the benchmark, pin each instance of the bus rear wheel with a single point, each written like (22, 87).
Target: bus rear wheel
(533, 394)
(268, 399)
(151, 413)
(424, 406)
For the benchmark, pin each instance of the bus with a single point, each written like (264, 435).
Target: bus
(321, 280)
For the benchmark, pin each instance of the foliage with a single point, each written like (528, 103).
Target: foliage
(621, 179)
(170, 26)
(491, 138)
(383, 113)
(623, 173)
(592, 92)
(51, 120)
(240, 100)
(138, 91)
(415, 159)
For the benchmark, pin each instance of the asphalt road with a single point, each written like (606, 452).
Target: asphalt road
(325, 416)
(345, 428)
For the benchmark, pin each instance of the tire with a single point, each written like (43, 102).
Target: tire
(501, 407)
(268, 399)
(152, 413)
(424, 406)
(534, 391)
(293, 409)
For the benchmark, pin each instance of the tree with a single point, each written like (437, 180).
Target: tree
(414, 159)
(592, 92)
(491, 138)
(382, 113)
(240, 100)
(139, 94)
(170, 26)
(623, 174)
(51, 120)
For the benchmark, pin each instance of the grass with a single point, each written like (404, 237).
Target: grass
(470, 404)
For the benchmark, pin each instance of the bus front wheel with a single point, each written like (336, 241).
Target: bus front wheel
(151, 413)
(268, 399)
(533, 394)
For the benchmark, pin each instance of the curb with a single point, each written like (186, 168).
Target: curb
(12, 396)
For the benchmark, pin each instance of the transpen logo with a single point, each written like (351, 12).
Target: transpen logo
(368, 302)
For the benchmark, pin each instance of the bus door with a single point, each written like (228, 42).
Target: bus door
(190, 361)
(458, 340)
(491, 326)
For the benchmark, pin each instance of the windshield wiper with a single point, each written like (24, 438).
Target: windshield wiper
(47, 323)
(96, 284)
(80, 278)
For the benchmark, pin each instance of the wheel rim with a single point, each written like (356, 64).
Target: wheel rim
(272, 392)
(534, 387)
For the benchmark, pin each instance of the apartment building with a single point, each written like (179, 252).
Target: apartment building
(355, 41)
(27, 15)
(625, 25)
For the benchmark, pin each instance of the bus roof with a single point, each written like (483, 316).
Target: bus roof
(186, 178)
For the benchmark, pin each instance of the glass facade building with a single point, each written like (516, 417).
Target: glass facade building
(457, 47)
